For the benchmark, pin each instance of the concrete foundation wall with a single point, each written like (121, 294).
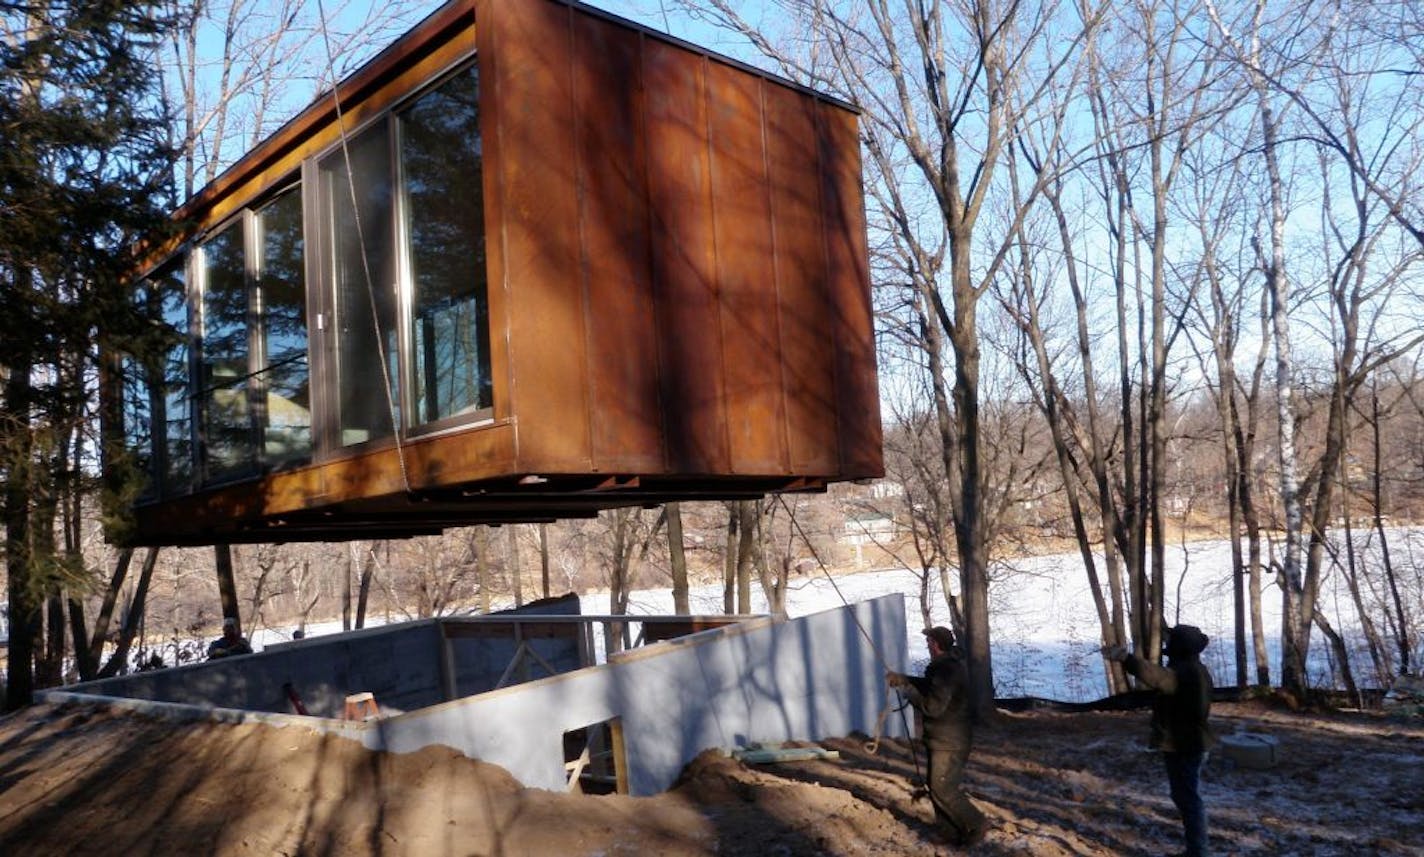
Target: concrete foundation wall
(402, 665)
(761, 681)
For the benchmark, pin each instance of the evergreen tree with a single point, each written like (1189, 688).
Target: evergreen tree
(84, 170)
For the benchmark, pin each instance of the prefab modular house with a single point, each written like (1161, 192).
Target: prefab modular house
(530, 262)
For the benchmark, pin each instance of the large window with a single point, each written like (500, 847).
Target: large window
(440, 163)
(358, 203)
(175, 402)
(396, 213)
(285, 376)
(227, 419)
(139, 378)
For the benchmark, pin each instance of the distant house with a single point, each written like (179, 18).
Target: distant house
(867, 528)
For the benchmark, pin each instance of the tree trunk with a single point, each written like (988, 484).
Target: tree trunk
(1342, 656)
(119, 660)
(729, 561)
(227, 584)
(1054, 405)
(346, 586)
(24, 606)
(89, 664)
(482, 566)
(51, 672)
(49, 661)
(619, 557)
(79, 634)
(544, 557)
(363, 594)
(516, 572)
(746, 553)
(677, 559)
(1402, 625)
(970, 523)
(773, 579)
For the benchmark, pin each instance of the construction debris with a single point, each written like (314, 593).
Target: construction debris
(1406, 697)
(764, 754)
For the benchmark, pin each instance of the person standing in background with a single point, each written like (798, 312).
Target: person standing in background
(1180, 727)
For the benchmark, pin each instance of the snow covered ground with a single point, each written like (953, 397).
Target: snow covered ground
(1042, 620)
(1043, 624)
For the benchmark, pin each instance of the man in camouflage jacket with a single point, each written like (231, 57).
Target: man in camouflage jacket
(942, 699)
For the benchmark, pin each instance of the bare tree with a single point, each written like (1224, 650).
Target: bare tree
(1265, 48)
(944, 88)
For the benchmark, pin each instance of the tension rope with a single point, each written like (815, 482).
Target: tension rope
(873, 745)
(391, 408)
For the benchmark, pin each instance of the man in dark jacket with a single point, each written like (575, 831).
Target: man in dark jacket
(942, 698)
(1179, 721)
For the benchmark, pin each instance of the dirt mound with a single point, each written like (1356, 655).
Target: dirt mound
(89, 780)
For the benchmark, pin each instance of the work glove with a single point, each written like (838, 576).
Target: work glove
(1115, 653)
(897, 680)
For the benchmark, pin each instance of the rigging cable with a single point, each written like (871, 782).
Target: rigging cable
(361, 242)
(873, 745)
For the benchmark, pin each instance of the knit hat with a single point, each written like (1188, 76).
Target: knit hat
(1185, 641)
(941, 635)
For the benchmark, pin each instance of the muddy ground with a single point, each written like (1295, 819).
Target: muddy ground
(87, 780)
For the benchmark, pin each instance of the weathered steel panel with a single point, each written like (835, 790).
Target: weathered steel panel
(683, 263)
(547, 345)
(853, 325)
(801, 280)
(613, 220)
(492, 150)
(746, 276)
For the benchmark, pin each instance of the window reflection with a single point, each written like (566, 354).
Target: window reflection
(358, 221)
(444, 219)
(285, 375)
(227, 420)
(174, 403)
(139, 379)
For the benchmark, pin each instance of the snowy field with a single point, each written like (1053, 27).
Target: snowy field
(1043, 624)
(1042, 620)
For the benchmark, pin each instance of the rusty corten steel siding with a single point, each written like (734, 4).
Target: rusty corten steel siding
(684, 261)
(539, 221)
(682, 296)
(750, 317)
(853, 323)
(802, 281)
(627, 427)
